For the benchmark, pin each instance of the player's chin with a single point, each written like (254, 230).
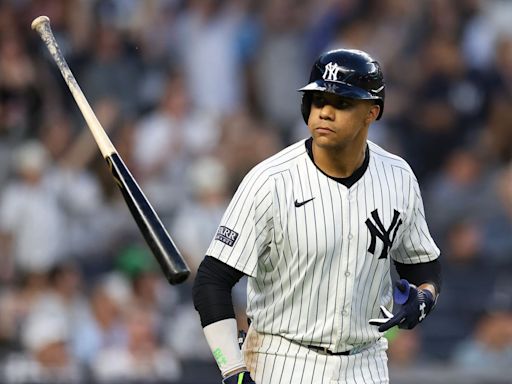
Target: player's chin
(326, 138)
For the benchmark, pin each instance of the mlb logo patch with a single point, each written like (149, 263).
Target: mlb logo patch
(226, 235)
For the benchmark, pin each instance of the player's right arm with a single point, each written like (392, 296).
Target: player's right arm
(242, 237)
(212, 299)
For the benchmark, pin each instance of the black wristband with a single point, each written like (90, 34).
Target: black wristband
(421, 273)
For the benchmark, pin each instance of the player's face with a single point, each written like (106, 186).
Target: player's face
(336, 121)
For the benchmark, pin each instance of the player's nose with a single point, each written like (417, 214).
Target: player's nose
(327, 112)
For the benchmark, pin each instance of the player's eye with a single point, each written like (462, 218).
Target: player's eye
(319, 101)
(341, 104)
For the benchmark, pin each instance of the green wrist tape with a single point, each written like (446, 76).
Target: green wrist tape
(219, 357)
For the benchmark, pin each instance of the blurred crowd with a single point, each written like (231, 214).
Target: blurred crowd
(193, 94)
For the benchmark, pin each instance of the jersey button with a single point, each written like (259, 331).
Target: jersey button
(344, 313)
(350, 237)
(347, 274)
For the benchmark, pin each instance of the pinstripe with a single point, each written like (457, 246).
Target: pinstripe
(330, 266)
(376, 362)
(364, 249)
(370, 369)
(274, 360)
(289, 270)
(267, 309)
(352, 255)
(323, 370)
(374, 261)
(316, 253)
(287, 356)
(321, 199)
(306, 245)
(307, 261)
(379, 185)
(383, 367)
(360, 255)
(353, 376)
(339, 270)
(283, 257)
(265, 365)
(303, 370)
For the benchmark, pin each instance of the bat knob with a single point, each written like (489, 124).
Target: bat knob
(38, 21)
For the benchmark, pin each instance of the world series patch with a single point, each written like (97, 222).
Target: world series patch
(226, 235)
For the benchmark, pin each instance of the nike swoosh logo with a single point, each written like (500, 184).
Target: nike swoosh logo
(377, 90)
(297, 204)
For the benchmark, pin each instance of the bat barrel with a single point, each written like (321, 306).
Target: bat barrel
(165, 251)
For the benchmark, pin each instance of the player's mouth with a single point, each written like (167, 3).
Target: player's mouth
(323, 130)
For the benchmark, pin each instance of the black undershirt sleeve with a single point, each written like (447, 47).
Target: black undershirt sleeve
(418, 274)
(212, 290)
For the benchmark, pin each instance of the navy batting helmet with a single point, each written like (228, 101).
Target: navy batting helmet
(345, 72)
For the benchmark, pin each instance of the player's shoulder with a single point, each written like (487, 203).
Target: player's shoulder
(281, 161)
(260, 179)
(388, 159)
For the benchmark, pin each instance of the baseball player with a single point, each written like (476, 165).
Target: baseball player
(315, 228)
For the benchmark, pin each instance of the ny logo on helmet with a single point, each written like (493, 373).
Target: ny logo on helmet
(331, 72)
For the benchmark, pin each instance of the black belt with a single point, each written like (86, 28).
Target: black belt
(325, 351)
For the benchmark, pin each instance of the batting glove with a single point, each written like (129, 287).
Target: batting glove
(239, 378)
(415, 305)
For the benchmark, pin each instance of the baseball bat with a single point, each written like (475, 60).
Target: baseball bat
(168, 256)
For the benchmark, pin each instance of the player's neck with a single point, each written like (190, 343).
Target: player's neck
(339, 163)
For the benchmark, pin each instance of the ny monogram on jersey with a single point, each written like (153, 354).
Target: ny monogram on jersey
(316, 250)
(378, 230)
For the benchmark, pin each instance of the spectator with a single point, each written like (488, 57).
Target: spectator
(463, 187)
(466, 274)
(31, 221)
(207, 34)
(489, 347)
(20, 99)
(196, 222)
(281, 63)
(106, 74)
(167, 139)
(193, 228)
(47, 358)
(498, 226)
(143, 359)
(404, 348)
(102, 326)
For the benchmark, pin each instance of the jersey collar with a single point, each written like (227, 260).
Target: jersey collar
(346, 181)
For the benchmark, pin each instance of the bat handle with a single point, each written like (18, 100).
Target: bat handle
(42, 26)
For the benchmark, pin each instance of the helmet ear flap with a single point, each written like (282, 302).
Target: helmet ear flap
(305, 106)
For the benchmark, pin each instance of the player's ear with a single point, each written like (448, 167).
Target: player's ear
(373, 113)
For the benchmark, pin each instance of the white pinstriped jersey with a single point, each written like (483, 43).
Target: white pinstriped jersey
(318, 250)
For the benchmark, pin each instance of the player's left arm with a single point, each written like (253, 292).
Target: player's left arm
(417, 264)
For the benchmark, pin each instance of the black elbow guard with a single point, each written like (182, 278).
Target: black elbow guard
(212, 290)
